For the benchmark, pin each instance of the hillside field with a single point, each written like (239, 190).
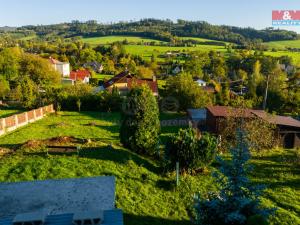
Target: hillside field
(284, 44)
(94, 41)
(144, 192)
(146, 51)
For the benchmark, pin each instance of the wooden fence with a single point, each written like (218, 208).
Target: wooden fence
(18, 120)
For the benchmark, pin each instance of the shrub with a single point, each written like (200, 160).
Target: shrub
(238, 202)
(191, 151)
(140, 121)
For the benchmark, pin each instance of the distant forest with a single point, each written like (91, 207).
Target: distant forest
(163, 30)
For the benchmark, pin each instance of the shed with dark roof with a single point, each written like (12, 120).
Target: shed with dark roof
(287, 127)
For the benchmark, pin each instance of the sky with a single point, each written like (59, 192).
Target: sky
(243, 13)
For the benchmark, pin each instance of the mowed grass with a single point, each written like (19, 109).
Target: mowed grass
(145, 194)
(102, 76)
(8, 112)
(94, 41)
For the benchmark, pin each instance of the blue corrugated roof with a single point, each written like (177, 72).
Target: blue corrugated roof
(111, 217)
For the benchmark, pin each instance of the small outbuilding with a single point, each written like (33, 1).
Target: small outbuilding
(287, 127)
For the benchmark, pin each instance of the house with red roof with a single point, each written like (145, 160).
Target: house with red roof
(81, 75)
(125, 81)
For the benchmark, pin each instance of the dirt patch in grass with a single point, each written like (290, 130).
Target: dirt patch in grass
(55, 141)
(5, 151)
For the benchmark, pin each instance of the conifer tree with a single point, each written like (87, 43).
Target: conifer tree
(238, 202)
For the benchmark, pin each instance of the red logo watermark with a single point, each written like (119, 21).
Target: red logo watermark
(285, 17)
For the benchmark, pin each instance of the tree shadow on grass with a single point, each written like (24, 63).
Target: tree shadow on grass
(166, 185)
(130, 219)
(110, 153)
(118, 156)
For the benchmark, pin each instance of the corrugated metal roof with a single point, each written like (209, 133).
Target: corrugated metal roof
(111, 217)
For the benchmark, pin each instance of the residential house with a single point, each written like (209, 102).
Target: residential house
(287, 128)
(95, 66)
(126, 81)
(62, 67)
(176, 70)
(79, 201)
(201, 83)
(81, 75)
(287, 68)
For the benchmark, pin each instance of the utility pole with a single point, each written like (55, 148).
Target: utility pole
(266, 93)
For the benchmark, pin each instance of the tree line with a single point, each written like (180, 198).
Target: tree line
(164, 30)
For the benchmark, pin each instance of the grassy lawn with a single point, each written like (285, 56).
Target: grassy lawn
(103, 76)
(8, 112)
(143, 191)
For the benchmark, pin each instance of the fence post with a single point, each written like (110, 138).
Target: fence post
(34, 115)
(16, 121)
(26, 117)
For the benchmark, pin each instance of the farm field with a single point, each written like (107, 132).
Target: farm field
(295, 55)
(94, 41)
(284, 44)
(202, 39)
(146, 51)
(144, 193)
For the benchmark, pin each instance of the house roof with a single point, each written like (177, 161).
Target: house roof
(126, 77)
(199, 81)
(225, 111)
(110, 217)
(58, 196)
(197, 114)
(131, 82)
(55, 61)
(116, 78)
(79, 74)
(278, 120)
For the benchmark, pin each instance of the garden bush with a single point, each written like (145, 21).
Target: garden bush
(191, 150)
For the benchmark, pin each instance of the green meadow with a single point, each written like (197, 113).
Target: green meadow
(284, 44)
(144, 191)
(294, 55)
(94, 41)
(146, 51)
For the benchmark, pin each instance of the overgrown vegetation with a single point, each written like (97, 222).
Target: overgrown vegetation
(191, 150)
